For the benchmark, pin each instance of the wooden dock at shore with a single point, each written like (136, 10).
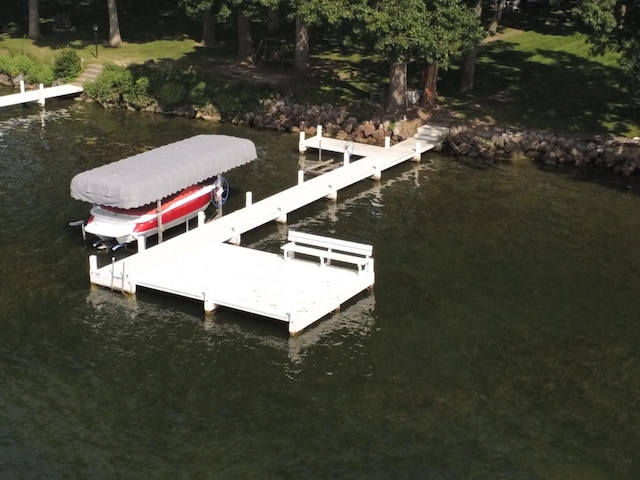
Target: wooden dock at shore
(208, 264)
(40, 95)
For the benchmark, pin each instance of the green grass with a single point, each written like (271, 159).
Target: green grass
(541, 74)
(538, 73)
(550, 82)
(127, 53)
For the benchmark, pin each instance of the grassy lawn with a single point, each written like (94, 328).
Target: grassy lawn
(547, 81)
(139, 52)
(537, 72)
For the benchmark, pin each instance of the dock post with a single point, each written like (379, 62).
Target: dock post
(319, 134)
(387, 142)
(300, 177)
(417, 154)
(301, 146)
(235, 239)
(248, 199)
(21, 86)
(93, 265)
(209, 305)
(142, 243)
(282, 218)
(345, 158)
(333, 193)
(377, 171)
(201, 218)
(41, 96)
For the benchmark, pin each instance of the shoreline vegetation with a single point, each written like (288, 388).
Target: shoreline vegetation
(536, 96)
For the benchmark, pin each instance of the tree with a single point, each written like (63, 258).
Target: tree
(245, 41)
(208, 28)
(309, 13)
(114, 26)
(301, 56)
(614, 26)
(34, 20)
(431, 32)
(210, 11)
(469, 66)
(500, 6)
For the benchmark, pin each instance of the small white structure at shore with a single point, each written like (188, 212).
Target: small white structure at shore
(40, 95)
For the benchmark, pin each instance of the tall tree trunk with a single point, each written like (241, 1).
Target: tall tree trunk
(469, 66)
(495, 21)
(208, 28)
(468, 70)
(397, 98)
(114, 26)
(34, 20)
(430, 85)
(301, 62)
(245, 43)
(273, 21)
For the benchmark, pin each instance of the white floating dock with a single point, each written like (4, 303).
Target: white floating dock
(199, 264)
(40, 95)
(298, 292)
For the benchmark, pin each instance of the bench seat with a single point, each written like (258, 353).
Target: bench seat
(327, 249)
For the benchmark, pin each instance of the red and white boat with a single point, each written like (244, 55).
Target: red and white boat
(148, 193)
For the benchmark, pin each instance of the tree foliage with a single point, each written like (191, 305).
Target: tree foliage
(614, 25)
(430, 31)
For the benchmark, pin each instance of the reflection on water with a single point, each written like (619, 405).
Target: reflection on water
(500, 339)
(113, 310)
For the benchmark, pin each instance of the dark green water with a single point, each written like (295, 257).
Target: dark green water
(501, 340)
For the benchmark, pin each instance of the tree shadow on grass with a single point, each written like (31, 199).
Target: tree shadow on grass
(566, 94)
(544, 18)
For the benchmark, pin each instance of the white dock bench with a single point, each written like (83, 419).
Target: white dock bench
(328, 249)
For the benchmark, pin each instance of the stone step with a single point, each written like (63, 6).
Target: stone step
(91, 73)
(431, 133)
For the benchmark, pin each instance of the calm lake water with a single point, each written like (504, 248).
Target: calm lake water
(501, 340)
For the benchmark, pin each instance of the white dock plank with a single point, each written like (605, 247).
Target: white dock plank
(295, 291)
(335, 145)
(40, 94)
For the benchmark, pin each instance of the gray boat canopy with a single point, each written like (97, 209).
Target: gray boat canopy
(153, 175)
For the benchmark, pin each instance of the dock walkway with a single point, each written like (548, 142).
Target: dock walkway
(201, 265)
(43, 93)
(40, 95)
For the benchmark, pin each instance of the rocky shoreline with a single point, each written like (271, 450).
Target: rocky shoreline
(490, 143)
(495, 143)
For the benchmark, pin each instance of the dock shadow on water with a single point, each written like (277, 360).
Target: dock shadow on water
(500, 339)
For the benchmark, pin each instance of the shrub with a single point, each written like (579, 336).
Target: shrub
(138, 95)
(33, 71)
(138, 86)
(68, 65)
(199, 95)
(117, 86)
(172, 94)
(108, 87)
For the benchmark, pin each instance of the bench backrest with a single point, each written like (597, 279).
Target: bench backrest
(330, 243)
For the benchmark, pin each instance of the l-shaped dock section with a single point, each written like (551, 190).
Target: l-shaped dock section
(311, 278)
